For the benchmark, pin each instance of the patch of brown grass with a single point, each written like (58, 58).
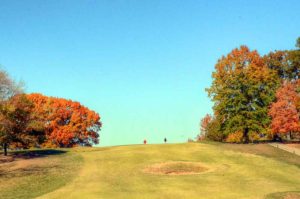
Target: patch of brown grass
(4, 159)
(176, 168)
(19, 167)
(284, 195)
(292, 196)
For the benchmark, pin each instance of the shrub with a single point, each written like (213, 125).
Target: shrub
(213, 131)
(236, 137)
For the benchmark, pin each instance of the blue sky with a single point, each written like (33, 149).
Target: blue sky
(143, 64)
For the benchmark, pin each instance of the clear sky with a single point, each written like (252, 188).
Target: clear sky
(143, 64)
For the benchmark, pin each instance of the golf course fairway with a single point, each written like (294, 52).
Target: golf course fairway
(221, 171)
(118, 172)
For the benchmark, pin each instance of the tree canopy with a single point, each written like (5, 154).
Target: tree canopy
(298, 43)
(35, 120)
(65, 123)
(285, 118)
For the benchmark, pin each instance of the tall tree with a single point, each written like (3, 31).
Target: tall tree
(65, 123)
(243, 87)
(294, 61)
(297, 88)
(285, 118)
(285, 63)
(213, 130)
(8, 89)
(279, 61)
(14, 122)
(298, 43)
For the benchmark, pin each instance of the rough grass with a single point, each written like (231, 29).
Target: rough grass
(34, 173)
(262, 150)
(235, 171)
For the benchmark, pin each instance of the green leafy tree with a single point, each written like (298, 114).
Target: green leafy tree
(242, 89)
(285, 63)
(213, 130)
(294, 61)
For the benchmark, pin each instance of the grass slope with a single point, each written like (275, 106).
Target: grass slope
(117, 172)
(34, 173)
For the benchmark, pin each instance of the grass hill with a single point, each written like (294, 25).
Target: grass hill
(192, 170)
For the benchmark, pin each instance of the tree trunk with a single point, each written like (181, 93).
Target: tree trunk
(291, 137)
(5, 149)
(288, 136)
(246, 137)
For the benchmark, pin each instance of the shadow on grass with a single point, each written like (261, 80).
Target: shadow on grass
(39, 153)
(27, 171)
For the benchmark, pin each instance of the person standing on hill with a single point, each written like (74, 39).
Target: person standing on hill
(165, 140)
(145, 141)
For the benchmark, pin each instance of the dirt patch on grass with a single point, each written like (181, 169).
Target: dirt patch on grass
(292, 196)
(22, 164)
(4, 159)
(284, 195)
(21, 167)
(176, 168)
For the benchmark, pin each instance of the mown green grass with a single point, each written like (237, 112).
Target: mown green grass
(235, 171)
(117, 172)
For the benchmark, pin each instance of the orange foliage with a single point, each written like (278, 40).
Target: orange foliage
(66, 123)
(236, 137)
(285, 118)
(203, 126)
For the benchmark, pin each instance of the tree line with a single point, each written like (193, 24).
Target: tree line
(35, 120)
(256, 98)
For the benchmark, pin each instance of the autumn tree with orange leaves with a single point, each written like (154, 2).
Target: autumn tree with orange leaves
(203, 126)
(65, 123)
(285, 117)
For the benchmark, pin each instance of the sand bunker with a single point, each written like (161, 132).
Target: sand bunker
(176, 168)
